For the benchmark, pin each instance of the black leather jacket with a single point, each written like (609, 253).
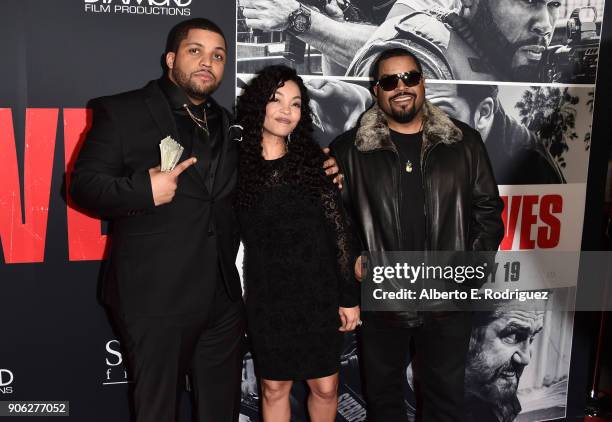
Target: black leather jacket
(462, 203)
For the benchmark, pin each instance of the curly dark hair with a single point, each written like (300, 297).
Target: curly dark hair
(304, 157)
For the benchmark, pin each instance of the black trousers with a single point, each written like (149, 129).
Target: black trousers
(207, 346)
(441, 345)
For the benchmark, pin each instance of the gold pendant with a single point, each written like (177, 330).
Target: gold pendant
(409, 166)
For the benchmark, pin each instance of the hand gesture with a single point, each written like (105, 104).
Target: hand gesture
(163, 184)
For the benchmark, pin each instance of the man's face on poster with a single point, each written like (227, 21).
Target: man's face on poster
(499, 352)
(446, 97)
(526, 25)
(336, 106)
(480, 114)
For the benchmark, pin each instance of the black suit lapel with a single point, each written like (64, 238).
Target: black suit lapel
(162, 115)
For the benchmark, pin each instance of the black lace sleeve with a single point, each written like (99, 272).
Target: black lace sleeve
(346, 245)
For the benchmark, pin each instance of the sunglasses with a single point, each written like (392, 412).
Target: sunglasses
(389, 82)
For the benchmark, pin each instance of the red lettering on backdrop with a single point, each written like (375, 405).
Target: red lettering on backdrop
(23, 236)
(85, 241)
(549, 237)
(548, 233)
(512, 206)
(528, 219)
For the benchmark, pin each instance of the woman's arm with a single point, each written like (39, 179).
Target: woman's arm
(347, 250)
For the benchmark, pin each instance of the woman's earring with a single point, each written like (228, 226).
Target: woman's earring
(288, 140)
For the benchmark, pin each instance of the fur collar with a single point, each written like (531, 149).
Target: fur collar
(373, 132)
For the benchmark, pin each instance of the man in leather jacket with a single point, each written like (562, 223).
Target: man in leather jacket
(416, 179)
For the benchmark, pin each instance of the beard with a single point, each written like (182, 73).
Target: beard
(489, 390)
(496, 46)
(526, 73)
(403, 114)
(191, 88)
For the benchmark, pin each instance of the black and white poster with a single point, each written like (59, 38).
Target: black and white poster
(543, 41)
(523, 74)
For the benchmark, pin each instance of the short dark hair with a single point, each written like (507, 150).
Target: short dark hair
(387, 54)
(179, 32)
(474, 94)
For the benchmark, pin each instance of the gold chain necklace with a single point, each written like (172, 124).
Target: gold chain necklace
(202, 123)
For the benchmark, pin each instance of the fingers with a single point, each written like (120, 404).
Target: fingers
(255, 24)
(339, 179)
(154, 171)
(349, 317)
(334, 169)
(182, 166)
(250, 13)
(320, 89)
(330, 166)
(315, 85)
(334, 10)
(352, 321)
(343, 320)
(164, 184)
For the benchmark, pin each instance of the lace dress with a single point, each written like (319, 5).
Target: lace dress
(298, 269)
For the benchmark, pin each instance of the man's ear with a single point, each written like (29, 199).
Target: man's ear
(484, 116)
(375, 89)
(170, 56)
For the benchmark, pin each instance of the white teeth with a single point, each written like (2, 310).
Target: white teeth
(534, 55)
(537, 49)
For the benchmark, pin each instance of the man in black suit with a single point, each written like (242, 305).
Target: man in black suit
(171, 281)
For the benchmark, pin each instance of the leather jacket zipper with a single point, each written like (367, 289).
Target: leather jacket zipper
(426, 196)
(397, 181)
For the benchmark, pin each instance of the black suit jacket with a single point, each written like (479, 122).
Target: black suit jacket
(163, 260)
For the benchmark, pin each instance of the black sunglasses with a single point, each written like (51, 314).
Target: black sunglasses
(389, 82)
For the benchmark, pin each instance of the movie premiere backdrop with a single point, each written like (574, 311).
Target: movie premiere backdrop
(536, 121)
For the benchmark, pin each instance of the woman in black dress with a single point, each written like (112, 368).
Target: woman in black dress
(301, 294)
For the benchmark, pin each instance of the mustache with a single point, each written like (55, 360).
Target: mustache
(539, 41)
(205, 71)
(510, 366)
(399, 94)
